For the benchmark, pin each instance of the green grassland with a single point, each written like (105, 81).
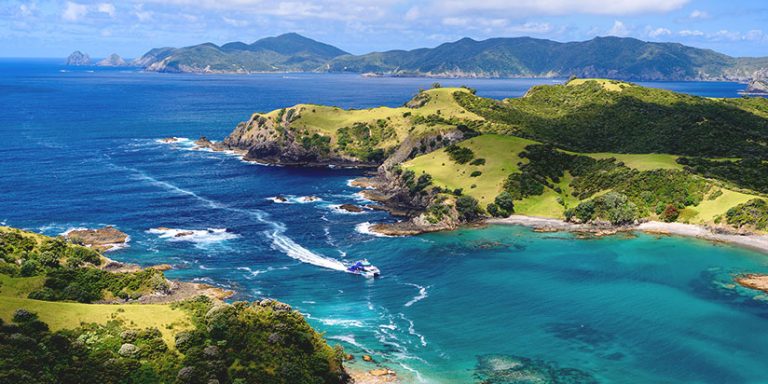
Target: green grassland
(67, 315)
(641, 162)
(326, 120)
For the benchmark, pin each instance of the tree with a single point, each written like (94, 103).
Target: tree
(467, 207)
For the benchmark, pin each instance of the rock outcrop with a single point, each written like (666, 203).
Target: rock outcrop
(757, 86)
(78, 58)
(102, 239)
(114, 60)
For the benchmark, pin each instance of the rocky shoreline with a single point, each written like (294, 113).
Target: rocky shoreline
(103, 239)
(753, 241)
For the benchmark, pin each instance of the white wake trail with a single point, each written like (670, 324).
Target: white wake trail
(280, 241)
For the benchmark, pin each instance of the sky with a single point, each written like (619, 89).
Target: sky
(55, 28)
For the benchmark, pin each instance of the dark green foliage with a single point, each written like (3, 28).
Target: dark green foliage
(47, 255)
(502, 206)
(319, 143)
(613, 207)
(468, 208)
(751, 173)
(87, 285)
(460, 155)
(437, 210)
(645, 189)
(479, 161)
(753, 213)
(521, 185)
(475, 174)
(30, 353)
(589, 118)
(263, 342)
(361, 139)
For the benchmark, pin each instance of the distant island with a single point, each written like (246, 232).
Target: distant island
(599, 155)
(78, 58)
(519, 57)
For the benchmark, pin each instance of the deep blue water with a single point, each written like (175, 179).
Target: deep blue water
(80, 149)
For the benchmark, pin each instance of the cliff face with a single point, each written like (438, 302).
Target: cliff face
(271, 138)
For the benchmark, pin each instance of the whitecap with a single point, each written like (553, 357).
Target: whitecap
(365, 229)
(291, 199)
(347, 323)
(336, 208)
(199, 236)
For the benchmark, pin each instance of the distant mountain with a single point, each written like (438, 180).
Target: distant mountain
(114, 60)
(285, 53)
(610, 57)
(78, 58)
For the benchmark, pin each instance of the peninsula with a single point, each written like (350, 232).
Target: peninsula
(605, 154)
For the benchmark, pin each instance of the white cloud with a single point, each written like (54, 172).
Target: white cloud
(27, 10)
(107, 8)
(532, 28)
(755, 35)
(690, 33)
(141, 14)
(74, 11)
(658, 32)
(618, 29)
(698, 14)
(412, 14)
(523, 8)
(235, 22)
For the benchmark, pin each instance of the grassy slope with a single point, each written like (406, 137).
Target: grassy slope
(501, 155)
(63, 315)
(326, 120)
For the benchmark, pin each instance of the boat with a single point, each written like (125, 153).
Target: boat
(363, 267)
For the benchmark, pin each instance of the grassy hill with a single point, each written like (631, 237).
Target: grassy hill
(505, 155)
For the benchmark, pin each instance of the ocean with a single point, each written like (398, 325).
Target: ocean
(81, 148)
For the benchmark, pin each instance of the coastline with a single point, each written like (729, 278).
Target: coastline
(752, 241)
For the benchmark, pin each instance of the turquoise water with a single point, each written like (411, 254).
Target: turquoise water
(501, 304)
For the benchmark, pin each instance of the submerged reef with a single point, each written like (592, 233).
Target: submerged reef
(509, 369)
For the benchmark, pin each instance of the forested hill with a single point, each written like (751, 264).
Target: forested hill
(289, 52)
(612, 116)
(610, 57)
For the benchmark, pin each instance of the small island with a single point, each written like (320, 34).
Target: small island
(78, 58)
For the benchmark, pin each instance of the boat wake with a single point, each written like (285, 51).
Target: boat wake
(280, 241)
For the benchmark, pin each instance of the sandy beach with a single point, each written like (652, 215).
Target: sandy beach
(753, 241)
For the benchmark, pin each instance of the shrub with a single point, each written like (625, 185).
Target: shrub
(753, 213)
(468, 208)
(460, 155)
(670, 213)
(478, 161)
(475, 174)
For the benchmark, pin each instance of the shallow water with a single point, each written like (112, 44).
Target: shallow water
(80, 149)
